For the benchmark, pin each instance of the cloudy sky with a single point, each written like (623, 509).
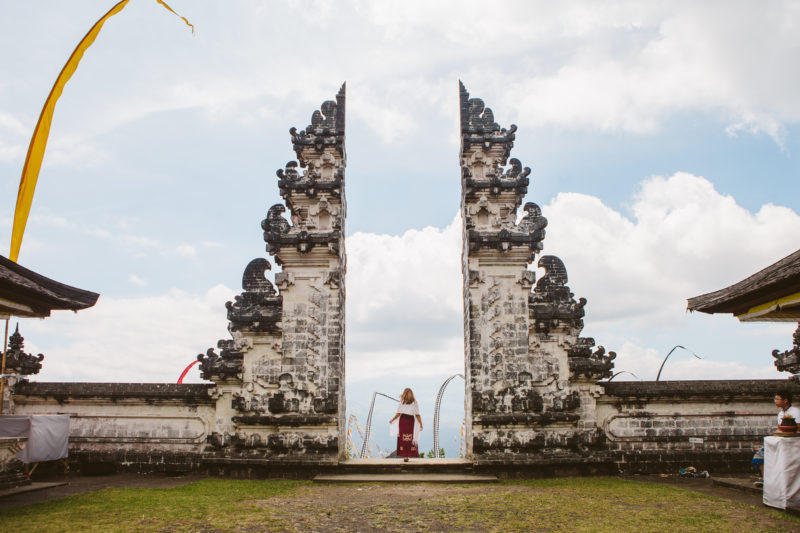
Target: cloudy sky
(664, 139)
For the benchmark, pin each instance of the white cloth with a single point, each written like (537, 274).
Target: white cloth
(406, 409)
(48, 435)
(792, 411)
(782, 472)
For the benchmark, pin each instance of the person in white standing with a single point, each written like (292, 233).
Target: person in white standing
(783, 401)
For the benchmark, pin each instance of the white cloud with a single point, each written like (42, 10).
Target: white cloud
(404, 303)
(150, 339)
(136, 280)
(626, 66)
(685, 239)
(186, 250)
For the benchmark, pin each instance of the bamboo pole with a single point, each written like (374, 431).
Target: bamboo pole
(3, 367)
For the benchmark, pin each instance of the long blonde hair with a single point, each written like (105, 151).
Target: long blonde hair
(407, 396)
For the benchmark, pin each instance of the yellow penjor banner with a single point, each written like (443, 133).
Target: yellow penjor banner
(33, 161)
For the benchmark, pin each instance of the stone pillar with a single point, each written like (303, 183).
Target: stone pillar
(526, 397)
(280, 380)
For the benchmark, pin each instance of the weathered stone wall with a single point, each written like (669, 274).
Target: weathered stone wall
(711, 425)
(136, 426)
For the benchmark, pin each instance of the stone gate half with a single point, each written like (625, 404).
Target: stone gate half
(280, 379)
(531, 379)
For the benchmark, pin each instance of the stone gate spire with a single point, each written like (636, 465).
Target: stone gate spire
(280, 380)
(524, 360)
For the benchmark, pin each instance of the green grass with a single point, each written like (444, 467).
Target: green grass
(572, 504)
(615, 505)
(208, 505)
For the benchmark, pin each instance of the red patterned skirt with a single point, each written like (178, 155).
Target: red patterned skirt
(405, 437)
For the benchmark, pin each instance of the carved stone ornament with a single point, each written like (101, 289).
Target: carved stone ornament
(326, 128)
(275, 226)
(289, 180)
(789, 361)
(515, 178)
(551, 302)
(223, 366)
(530, 232)
(258, 308)
(533, 224)
(478, 125)
(278, 233)
(591, 365)
(19, 362)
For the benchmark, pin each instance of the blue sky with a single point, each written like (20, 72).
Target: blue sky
(664, 140)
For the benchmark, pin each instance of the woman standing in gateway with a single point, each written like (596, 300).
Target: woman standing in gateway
(406, 425)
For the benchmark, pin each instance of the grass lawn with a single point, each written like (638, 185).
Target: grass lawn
(574, 504)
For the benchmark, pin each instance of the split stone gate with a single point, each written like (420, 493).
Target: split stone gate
(530, 378)
(534, 401)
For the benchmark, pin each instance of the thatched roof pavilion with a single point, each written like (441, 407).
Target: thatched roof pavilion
(773, 294)
(25, 293)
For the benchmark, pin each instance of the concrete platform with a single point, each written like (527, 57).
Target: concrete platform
(29, 488)
(745, 484)
(404, 478)
(396, 466)
(413, 463)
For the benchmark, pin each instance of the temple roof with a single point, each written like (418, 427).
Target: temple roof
(25, 293)
(773, 294)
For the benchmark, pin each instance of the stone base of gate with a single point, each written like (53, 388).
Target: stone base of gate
(724, 461)
(541, 467)
(253, 468)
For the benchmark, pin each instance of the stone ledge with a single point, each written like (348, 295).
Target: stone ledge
(740, 389)
(197, 392)
(289, 420)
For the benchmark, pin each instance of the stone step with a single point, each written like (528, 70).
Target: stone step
(404, 478)
(30, 487)
(745, 484)
(395, 466)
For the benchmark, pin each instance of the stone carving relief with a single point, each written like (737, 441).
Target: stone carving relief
(223, 366)
(551, 302)
(326, 128)
(587, 364)
(789, 360)
(258, 308)
(19, 362)
(479, 128)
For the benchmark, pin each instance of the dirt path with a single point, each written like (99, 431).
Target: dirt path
(481, 508)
